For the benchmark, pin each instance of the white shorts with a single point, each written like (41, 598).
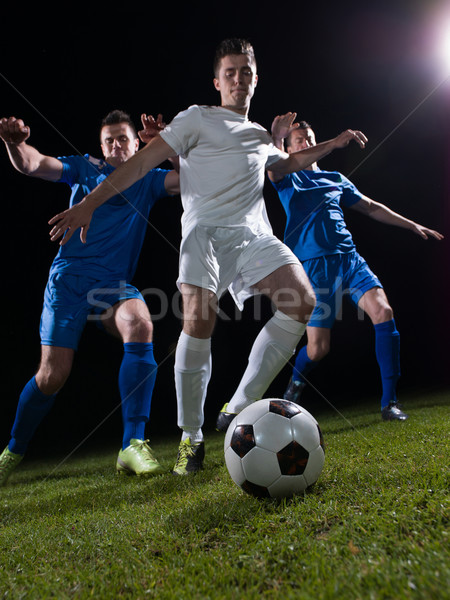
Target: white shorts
(233, 258)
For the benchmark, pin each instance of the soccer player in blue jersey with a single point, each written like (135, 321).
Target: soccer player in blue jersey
(93, 282)
(316, 232)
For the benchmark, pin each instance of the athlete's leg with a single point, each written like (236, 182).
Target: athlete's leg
(62, 321)
(193, 358)
(39, 394)
(374, 302)
(289, 289)
(309, 356)
(131, 322)
(318, 343)
(387, 341)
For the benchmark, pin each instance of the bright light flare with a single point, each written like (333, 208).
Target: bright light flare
(443, 49)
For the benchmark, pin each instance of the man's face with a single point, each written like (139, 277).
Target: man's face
(301, 139)
(236, 82)
(118, 143)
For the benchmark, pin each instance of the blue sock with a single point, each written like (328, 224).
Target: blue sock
(137, 376)
(32, 407)
(387, 350)
(303, 365)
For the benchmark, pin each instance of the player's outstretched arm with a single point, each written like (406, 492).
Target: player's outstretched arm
(24, 158)
(383, 214)
(80, 215)
(297, 161)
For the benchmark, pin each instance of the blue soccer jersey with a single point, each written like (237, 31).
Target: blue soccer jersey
(117, 229)
(313, 203)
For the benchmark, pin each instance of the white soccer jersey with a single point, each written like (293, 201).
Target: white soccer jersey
(223, 157)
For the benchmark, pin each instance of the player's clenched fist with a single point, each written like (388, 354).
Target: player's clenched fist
(13, 131)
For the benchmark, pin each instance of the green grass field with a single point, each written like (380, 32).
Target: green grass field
(373, 527)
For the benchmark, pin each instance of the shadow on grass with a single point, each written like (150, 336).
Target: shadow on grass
(79, 483)
(207, 497)
(87, 480)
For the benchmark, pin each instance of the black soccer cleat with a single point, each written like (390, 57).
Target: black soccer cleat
(294, 391)
(190, 457)
(224, 419)
(392, 412)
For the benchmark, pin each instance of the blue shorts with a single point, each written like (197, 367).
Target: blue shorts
(71, 300)
(334, 277)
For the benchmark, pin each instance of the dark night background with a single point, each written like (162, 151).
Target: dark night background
(372, 66)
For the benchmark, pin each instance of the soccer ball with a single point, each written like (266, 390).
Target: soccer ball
(274, 448)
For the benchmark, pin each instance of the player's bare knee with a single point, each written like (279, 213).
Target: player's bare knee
(310, 300)
(307, 305)
(199, 311)
(297, 301)
(198, 327)
(54, 368)
(139, 330)
(388, 313)
(383, 313)
(50, 381)
(317, 352)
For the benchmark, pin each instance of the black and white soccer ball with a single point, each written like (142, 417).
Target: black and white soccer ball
(274, 448)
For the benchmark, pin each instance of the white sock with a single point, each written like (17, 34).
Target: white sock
(273, 347)
(195, 435)
(192, 374)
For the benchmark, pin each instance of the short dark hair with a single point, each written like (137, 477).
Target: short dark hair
(232, 46)
(114, 117)
(301, 125)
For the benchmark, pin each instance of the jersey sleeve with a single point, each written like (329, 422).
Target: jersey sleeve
(282, 184)
(156, 183)
(183, 131)
(274, 153)
(80, 169)
(71, 169)
(350, 193)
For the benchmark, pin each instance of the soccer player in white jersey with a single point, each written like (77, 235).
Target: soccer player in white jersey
(227, 241)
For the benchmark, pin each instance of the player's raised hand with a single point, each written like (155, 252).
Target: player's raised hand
(13, 131)
(67, 222)
(151, 127)
(425, 233)
(284, 125)
(344, 138)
